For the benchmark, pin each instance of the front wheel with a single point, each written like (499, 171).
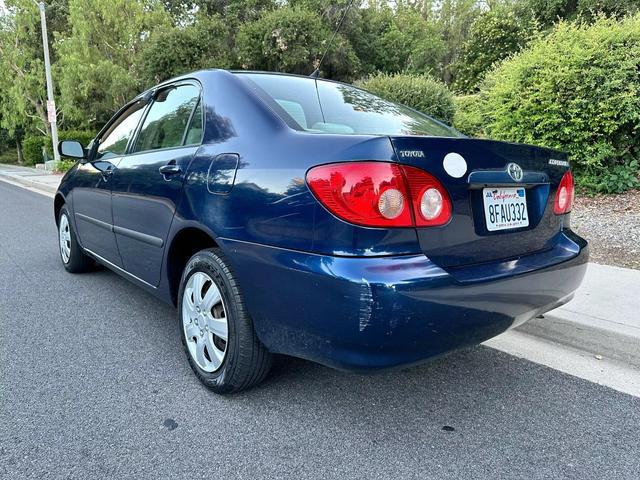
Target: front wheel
(217, 333)
(71, 254)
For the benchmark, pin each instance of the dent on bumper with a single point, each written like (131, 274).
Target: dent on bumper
(371, 313)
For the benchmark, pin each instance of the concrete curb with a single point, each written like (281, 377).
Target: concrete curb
(27, 182)
(610, 343)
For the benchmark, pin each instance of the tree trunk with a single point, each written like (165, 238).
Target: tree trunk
(42, 113)
(19, 151)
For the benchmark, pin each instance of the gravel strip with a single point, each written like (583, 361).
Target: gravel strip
(611, 224)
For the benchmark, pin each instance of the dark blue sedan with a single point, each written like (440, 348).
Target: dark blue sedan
(294, 215)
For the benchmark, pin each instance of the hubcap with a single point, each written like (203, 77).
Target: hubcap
(64, 234)
(204, 322)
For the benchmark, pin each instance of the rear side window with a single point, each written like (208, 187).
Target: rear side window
(114, 141)
(166, 122)
(194, 134)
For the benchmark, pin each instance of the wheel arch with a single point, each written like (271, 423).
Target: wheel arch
(184, 245)
(58, 202)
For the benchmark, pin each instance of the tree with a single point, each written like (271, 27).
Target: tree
(455, 18)
(293, 40)
(22, 80)
(364, 32)
(241, 10)
(97, 68)
(495, 35)
(205, 44)
(411, 43)
(548, 12)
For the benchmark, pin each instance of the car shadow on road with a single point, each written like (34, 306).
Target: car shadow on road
(478, 378)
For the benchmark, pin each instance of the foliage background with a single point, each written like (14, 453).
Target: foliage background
(558, 73)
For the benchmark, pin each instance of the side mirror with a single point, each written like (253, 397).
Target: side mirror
(71, 148)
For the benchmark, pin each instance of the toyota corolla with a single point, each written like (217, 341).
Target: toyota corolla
(301, 216)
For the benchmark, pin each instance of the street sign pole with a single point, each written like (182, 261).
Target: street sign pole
(51, 105)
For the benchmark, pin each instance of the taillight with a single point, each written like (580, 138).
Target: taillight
(564, 195)
(380, 194)
(431, 203)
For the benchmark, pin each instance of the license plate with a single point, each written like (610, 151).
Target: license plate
(505, 208)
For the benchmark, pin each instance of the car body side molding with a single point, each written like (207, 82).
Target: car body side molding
(142, 237)
(95, 221)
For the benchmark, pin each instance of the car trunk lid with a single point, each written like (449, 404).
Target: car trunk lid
(475, 165)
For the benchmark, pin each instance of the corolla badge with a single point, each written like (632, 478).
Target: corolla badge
(515, 171)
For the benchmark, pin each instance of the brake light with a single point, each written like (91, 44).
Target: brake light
(431, 203)
(564, 195)
(380, 194)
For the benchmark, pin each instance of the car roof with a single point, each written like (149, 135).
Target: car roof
(199, 74)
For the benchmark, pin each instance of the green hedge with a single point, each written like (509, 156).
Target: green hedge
(32, 149)
(578, 90)
(32, 144)
(82, 136)
(421, 92)
(469, 117)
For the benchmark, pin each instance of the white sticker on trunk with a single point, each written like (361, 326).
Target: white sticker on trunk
(454, 164)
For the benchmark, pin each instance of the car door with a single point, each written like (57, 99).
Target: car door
(147, 184)
(92, 194)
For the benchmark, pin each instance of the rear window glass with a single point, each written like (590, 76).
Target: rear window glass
(329, 107)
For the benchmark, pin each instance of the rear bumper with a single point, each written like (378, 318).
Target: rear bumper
(382, 312)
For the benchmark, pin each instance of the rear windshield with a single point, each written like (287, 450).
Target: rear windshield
(321, 106)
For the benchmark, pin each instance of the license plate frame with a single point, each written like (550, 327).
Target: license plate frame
(505, 208)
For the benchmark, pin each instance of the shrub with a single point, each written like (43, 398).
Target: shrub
(82, 136)
(32, 149)
(9, 157)
(32, 145)
(416, 91)
(63, 165)
(577, 90)
(617, 180)
(468, 117)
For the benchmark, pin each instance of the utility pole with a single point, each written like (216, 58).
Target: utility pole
(51, 105)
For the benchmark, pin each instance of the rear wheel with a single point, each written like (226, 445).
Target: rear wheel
(71, 254)
(217, 333)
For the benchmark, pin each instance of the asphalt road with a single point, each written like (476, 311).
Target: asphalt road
(94, 384)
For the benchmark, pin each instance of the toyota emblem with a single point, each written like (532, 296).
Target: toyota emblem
(515, 171)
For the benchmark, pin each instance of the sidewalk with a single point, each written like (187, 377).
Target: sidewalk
(31, 177)
(603, 318)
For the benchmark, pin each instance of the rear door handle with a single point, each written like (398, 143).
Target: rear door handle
(170, 169)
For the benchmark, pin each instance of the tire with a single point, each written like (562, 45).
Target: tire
(73, 257)
(209, 297)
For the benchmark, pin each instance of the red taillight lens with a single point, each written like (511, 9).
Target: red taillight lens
(380, 194)
(431, 203)
(373, 194)
(564, 195)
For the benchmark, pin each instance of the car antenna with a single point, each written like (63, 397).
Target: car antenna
(316, 72)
